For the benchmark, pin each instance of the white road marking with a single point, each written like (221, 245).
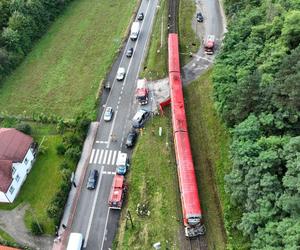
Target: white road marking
(101, 142)
(104, 238)
(109, 156)
(92, 156)
(93, 210)
(114, 158)
(101, 154)
(112, 127)
(105, 155)
(96, 156)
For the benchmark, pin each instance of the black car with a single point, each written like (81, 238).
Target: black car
(129, 52)
(92, 180)
(199, 17)
(131, 138)
(141, 16)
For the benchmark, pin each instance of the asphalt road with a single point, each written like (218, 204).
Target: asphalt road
(213, 24)
(93, 218)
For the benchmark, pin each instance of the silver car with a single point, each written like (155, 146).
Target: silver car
(108, 114)
(121, 74)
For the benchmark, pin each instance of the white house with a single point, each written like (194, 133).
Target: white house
(17, 154)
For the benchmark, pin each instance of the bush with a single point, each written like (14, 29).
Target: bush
(25, 128)
(60, 149)
(36, 228)
(64, 165)
(73, 154)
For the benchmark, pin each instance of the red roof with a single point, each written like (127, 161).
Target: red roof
(8, 248)
(5, 175)
(13, 144)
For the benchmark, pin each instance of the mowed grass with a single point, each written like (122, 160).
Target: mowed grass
(210, 145)
(152, 180)
(156, 62)
(188, 41)
(43, 180)
(61, 75)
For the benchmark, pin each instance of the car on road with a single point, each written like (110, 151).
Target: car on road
(199, 17)
(141, 16)
(121, 74)
(131, 138)
(92, 180)
(108, 114)
(129, 52)
(122, 164)
(140, 118)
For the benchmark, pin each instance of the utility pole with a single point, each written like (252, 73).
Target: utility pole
(128, 216)
(35, 218)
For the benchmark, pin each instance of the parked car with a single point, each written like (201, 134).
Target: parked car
(121, 74)
(141, 16)
(199, 17)
(140, 118)
(129, 52)
(92, 180)
(108, 114)
(131, 138)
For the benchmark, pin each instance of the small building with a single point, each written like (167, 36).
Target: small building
(17, 154)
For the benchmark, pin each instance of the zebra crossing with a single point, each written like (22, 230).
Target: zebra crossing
(104, 156)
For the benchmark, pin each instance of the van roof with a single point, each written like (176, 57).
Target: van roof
(121, 160)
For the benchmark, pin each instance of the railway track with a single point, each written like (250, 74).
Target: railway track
(198, 243)
(172, 16)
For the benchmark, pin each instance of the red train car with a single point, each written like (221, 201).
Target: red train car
(190, 202)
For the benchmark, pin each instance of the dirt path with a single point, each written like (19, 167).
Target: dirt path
(12, 222)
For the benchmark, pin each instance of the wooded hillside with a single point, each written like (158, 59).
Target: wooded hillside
(257, 92)
(21, 23)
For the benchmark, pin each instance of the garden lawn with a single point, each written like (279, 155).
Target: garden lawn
(156, 62)
(152, 180)
(43, 180)
(210, 146)
(62, 73)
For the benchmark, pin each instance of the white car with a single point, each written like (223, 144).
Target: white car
(121, 74)
(108, 114)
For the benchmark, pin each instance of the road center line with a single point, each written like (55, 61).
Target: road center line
(105, 228)
(93, 209)
(111, 130)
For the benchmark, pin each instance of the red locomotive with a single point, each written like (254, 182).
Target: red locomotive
(191, 209)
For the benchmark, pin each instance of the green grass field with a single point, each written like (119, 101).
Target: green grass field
(152, 180)
(188, 41)
(43, 181)
(155, 66)
(61, 75)
(210, 145)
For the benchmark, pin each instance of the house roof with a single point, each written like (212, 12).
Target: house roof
(8, 248)
(5, 175)
(13, 144)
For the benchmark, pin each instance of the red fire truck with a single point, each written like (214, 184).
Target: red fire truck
(209, 45)
(117, 192)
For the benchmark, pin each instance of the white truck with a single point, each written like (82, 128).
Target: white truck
(122, 163)
(135, 30)
(75, 241)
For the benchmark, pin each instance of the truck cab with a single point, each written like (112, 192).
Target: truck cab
(142, 91)
(117, 192)
(209, 45)
(122, 163)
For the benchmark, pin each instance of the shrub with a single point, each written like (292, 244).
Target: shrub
(24, 127)
(36, 228)
(60, 149)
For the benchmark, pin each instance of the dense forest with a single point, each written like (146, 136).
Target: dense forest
(21, 23)
(257, 92)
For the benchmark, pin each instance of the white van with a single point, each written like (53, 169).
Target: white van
(75, 241)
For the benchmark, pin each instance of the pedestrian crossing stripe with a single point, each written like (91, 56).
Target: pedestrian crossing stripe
(104, 156)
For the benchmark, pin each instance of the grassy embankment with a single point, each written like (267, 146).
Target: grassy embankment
(155, 66)
(43, 181)
(61, 75)
(188, 41)
(152, 181)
